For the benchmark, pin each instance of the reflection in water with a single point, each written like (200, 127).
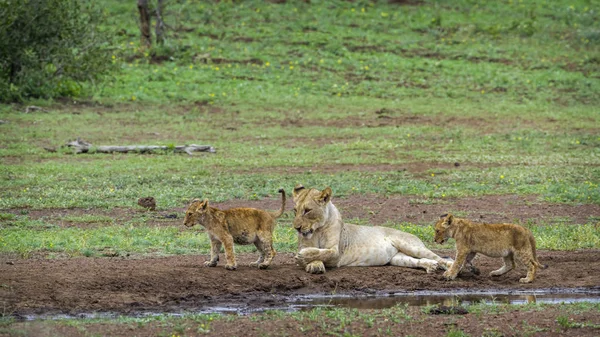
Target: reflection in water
(378, 302)
(424, 298)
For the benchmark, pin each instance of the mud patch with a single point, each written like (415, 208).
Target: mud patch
(179, 283)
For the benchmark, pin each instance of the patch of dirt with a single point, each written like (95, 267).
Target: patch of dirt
(371, 209)
(170, 284)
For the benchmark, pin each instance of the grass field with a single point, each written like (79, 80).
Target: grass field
(327, 93)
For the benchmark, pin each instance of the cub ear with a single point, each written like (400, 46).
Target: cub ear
(449, 219)
(204, 204)
(297, 190)
(325, 196)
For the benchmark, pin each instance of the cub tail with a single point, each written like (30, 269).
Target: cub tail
(278, 214)
(535, 259)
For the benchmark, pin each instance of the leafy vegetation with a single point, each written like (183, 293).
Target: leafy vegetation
(49, 48)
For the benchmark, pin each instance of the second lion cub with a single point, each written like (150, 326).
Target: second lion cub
(494, 240)
(243, 226)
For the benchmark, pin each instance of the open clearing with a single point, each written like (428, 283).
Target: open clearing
(406, 109)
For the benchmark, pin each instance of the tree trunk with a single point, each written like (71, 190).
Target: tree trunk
(160, 25)
(146, 38)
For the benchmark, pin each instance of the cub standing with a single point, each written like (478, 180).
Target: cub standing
(243, 226)
(494, 240)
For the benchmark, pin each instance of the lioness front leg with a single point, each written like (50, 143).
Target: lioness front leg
(314, 259)
(509, 264)
(459, 261)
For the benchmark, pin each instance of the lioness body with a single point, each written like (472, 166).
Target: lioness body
(494, 240)
(236, 225)
(325, 241)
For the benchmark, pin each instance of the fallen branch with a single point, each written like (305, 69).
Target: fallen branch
(34, 108)
(81, 146)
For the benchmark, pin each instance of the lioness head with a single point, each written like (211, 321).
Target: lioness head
(442, 227)
(196, 212)
(310, 207)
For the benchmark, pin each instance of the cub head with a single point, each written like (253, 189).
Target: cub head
(310, 207)
(196, 212)
(443, 227)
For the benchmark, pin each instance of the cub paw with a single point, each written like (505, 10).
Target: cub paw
(448, 276)
(263, 266)
(315, 267)
(525, 280)
(210, 263)
(231, 267)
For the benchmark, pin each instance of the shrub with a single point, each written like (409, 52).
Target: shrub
(49, 47)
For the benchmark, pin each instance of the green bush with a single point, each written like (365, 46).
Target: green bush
(49, 47)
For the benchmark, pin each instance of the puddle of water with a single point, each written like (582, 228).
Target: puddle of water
(381, 301)
(377, 302)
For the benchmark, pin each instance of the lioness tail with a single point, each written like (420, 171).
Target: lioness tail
(278, 214)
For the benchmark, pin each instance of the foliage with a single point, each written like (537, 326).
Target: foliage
(48, 48)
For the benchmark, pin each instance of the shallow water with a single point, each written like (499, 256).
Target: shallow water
(377, 301)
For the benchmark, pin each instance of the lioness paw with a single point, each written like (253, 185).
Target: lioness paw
(231, 267)
(430, 267)
(315, 267)
(263, 266)
(210, 263)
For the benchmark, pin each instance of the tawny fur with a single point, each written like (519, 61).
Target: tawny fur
(508, 241)
(325, 241)
(243, 226)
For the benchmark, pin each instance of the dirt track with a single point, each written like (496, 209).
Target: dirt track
(174, 283)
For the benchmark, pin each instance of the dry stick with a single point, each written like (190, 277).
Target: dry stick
(81, 146)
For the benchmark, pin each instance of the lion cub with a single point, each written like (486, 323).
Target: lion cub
(494, 240)
(243, 226)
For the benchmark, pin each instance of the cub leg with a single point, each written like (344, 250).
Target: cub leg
(527, 260)
(403, 260)
(469, 261)
(261, 254)
(509, 264)
(267, 253)
(215, 249)
(459, 261)
(227, 240)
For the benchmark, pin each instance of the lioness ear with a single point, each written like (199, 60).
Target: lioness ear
(297, 190)
(325, 196)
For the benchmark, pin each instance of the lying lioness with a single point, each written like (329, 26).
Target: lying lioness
(494, 240)
(324, 240)
(240, 225)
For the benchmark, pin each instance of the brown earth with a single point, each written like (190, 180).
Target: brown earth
(172, 284)
(372, 209)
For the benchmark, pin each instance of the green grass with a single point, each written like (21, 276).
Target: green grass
(506, 89)
(27, 237)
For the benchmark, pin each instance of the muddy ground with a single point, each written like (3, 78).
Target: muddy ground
(133, 285)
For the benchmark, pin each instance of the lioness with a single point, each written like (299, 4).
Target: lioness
(324, 240)
(240, 225)
(494, 240)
